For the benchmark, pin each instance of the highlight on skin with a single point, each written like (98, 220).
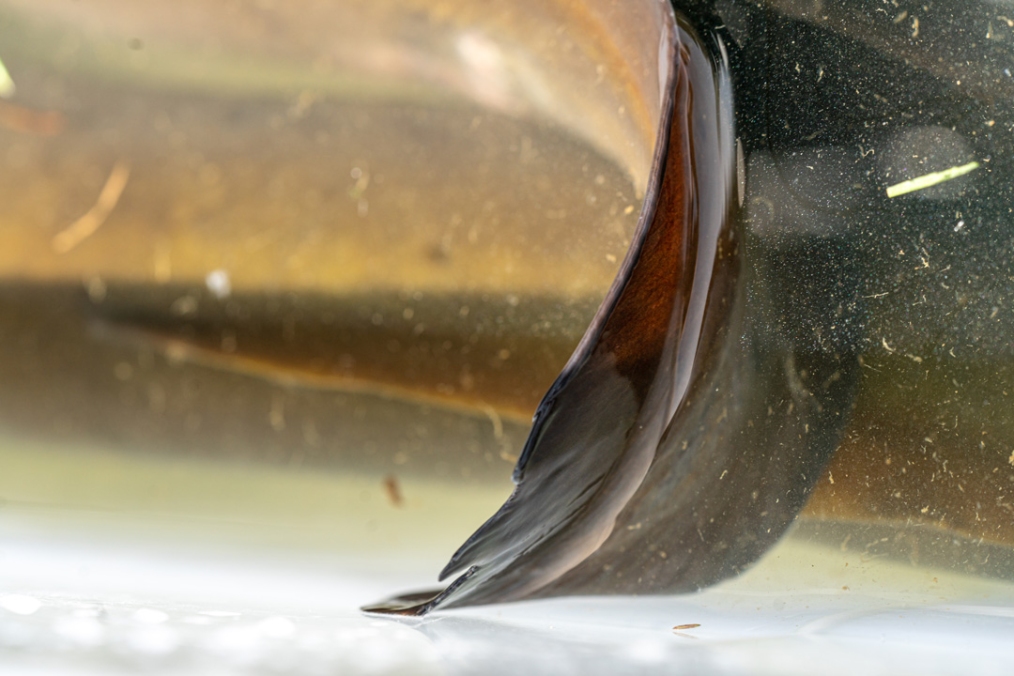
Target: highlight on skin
(620, 488)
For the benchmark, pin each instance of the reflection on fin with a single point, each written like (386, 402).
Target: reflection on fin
(290, 374)
(597, 430)
(417, 603)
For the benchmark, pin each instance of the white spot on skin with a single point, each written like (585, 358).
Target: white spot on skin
(20, 604)
(486, 69)
(184, 306)
(218, 284)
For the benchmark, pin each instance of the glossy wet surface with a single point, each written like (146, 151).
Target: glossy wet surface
(883, 306)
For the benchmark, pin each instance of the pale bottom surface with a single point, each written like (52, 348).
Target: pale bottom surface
(120, 565)
(70, 606)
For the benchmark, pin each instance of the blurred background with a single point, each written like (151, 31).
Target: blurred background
(339, 245)
(281, 285)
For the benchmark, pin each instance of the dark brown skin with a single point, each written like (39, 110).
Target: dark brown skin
(593, 404)
(682, 438)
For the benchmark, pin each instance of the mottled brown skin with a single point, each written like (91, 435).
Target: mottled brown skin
(685, 435)
(598, 428)
(609, 375)
(641, 321)
(587, 450)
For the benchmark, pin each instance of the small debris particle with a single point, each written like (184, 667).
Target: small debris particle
(184, 306)
(86, 225)
(1011, 458)
(96, 289)
(930, 180)
(123, 371)
(681, 627)
(392, 489)
(276, 416)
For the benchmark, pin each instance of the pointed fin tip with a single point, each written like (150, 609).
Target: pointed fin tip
(451, 567)
(472, 547)
(457, 561)
(417, 604)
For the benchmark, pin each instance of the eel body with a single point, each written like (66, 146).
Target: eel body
(680, 441)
